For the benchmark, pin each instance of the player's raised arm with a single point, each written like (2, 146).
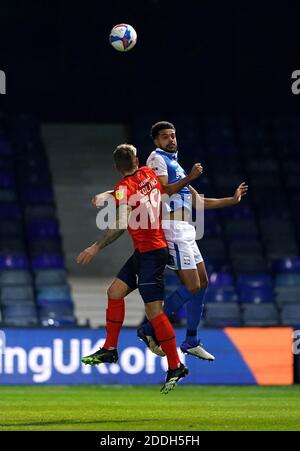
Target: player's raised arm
(173, 188)
(98, 199)
(111, 235)
(210, 203)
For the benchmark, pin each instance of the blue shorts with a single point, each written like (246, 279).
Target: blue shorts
(145, 271)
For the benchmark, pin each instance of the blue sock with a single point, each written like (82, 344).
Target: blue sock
(172, 304)
(194, 312)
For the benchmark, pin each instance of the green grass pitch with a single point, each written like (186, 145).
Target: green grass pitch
(143, 408)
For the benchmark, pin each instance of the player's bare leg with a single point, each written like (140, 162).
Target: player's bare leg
(115, 313)
(195, 280)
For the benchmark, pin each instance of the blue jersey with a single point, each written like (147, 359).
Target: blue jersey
(166, 163)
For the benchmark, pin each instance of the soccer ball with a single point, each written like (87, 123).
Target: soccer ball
(123, 37)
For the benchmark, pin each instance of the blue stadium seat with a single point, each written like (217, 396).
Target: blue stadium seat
(224, 294)
(241, 211)
(241, 229)
(212, 247)
(15, 277)
(48, 277)
(222, 315)
(57, 314)
(216, 265)
(13, 262)
(287, 280)
(7, 179)
(286, 265)
(248, 247)
(220, 279)
(8, 195)
(12, 245)
(53, 293)
(290, 315)
(44, 246)
(19, 309)
(256, 295)
(260, 315)
(287, 295)
(10, 211)
(11, 294)
(5, 148)
(33, 212)
(32, 196)
(11, 228)
(249, 264)
(254, 280)
(47, 261)
(44, 228)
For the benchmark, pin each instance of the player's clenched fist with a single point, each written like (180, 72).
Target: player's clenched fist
(197, 170)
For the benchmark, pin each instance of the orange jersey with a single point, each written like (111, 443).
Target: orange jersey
(142, 192)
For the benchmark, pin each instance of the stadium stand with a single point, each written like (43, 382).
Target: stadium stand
(255, 245)
(33, 282)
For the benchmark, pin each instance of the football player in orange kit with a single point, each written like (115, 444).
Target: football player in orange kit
(137, 197)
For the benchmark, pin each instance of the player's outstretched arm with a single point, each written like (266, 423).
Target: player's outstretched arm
(210, 203)
(111, 235)
(98, 199)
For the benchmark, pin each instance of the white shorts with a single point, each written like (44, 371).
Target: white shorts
(183, 249)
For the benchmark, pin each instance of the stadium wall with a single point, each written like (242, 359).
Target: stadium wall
(244, 356)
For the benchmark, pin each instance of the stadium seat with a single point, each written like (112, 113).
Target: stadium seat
(7, 179)
(53, 293)
(20, 321)
(34, 212)
(212, 247)
(260, 315)
(44, 246)
(10, 211)
(224, 294)
(13, 262)
(43, 228)
(47, 261)
(287, 295)
(11, 228)
(220, 279)
(241, 229)
(57, 314)
(216, 265)
(49, 277)
(249, 264)
(286, 265)
(254, 280)
(255, 295)
(32, 196)
(8, 195)
(15, 277)
(290, 315)
(247, 247)
(287, 280)
(222, 315)
(12, 245)
(12, 294)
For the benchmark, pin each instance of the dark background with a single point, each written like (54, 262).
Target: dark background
(191, 56)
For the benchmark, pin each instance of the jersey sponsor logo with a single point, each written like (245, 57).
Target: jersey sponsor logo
(120, 194)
